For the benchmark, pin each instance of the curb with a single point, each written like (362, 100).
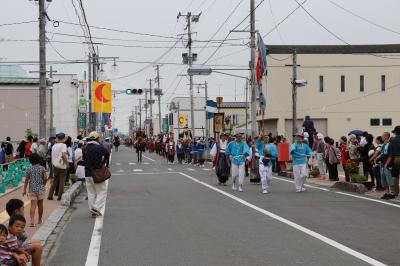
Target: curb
(44, 232)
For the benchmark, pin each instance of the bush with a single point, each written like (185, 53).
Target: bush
(357, 178)
(353, 167)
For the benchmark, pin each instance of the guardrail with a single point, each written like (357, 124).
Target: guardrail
(13, 173)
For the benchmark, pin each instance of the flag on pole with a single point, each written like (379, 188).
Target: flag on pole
(101, 97)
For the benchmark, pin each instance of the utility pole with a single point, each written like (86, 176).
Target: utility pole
(179, 114)
(90, 127)
(151, 101)
(42, 69)
(136, 120)
(188, 19)
(247, 104)
(205, 112)
(294, 94)
(146, 104)
(252, 67)
(159, 93)
(52, 133)
(140, 114)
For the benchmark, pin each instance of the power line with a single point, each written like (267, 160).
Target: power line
(149, 65)
(363, 18)
(274, 20)
(283, 20)
(237, 26)
(225, 21)
(86, 22)
(319, 23)
(18, 23)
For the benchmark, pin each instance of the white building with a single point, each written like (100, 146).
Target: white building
(349, 87)
(65, 104)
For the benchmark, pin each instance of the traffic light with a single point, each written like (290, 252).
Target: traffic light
(134, 91)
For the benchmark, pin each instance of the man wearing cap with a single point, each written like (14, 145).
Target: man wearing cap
(237, 151)
(94, 155)
(300, 153)
(59, 160)
(394, 157)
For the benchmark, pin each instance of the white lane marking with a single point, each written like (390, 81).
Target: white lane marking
(303, 229)
(343, 193)
(120, 171)
(92, 258)
(149, 158)
(307, 185)
(170, 169)
(191, 169)
(155, 173)
(146, 163)
(137, 170)
(365, 198)
(117, 163)
(206, 169)
(132, 163)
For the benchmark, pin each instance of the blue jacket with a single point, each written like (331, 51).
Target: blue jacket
(236, 150)
(299, 153)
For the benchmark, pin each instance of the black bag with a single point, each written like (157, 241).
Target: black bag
(100, 175)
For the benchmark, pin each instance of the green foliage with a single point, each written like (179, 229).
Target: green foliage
(352, 167)
(29, 132)
(357, 178)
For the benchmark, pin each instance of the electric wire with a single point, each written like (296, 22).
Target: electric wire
(237, 26)
(18, 23)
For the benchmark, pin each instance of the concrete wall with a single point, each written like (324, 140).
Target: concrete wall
(343, 111)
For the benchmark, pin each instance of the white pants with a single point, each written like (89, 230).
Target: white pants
(266, 176)
(300, 173)
(321, 164)
(238, 171)
(97, 194)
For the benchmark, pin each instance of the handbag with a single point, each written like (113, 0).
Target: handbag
(100, 175)
(59, 162)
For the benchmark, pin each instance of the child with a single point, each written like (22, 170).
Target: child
(6, 255)
(36, 177)
(34, 247)
(10, 253)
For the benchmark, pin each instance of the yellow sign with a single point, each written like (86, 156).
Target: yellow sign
(219, 100)
(181, 120)
(101, 97)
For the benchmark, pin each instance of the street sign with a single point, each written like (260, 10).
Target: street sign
(220, 100)
(82, 120)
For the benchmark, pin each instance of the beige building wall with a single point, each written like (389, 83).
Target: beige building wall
(343, 111)
(19, 110)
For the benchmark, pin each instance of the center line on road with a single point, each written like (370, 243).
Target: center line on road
(132, 163)
(170, 169)
(137, 170)
(117, 163)
(191, 169)
(149, 158)
(303, 229)
(92, 258)
(146, 163)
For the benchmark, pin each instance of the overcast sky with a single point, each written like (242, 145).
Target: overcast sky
(160, 18)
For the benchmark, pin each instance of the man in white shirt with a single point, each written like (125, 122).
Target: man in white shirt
(59, 160)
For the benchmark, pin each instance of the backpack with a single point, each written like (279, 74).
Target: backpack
(8, 148)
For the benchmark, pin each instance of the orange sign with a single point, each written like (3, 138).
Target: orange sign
(101, 97)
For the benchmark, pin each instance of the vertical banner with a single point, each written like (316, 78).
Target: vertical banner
(218, 121)
(102, 97)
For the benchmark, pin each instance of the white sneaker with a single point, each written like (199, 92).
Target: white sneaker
(240, 189)
(298, 190)
(265, 191)
(303, 189)
(233, 187)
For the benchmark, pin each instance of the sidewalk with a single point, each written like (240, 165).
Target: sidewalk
(329, 184)
(49, 207)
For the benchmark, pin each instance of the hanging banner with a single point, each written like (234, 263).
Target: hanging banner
(101, 96)
(218, 121)
(181, 120)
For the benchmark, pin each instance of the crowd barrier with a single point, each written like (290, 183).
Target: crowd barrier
(13, 173)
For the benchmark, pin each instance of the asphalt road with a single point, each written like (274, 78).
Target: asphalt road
(160, 214)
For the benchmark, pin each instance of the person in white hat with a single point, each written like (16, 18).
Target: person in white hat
(300, 153)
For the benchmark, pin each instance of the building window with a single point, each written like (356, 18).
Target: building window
(383, 82)
(342, 84)
(375, 122)
(362, 83)
(386, 122)
(321, 83)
